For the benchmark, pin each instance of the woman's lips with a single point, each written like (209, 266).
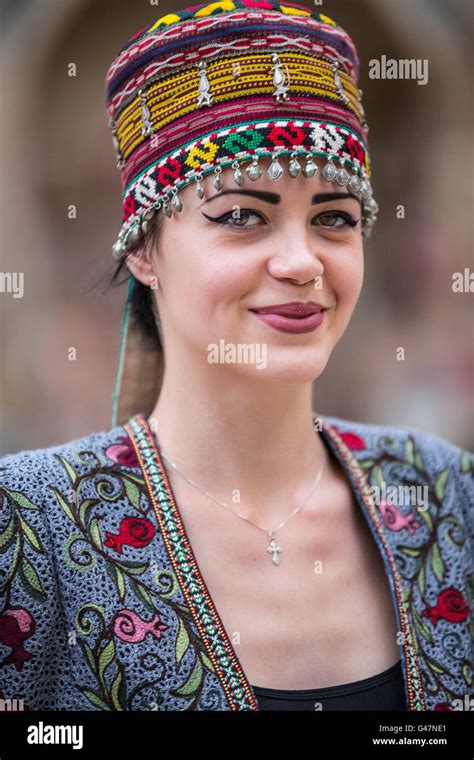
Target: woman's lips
(292, 324)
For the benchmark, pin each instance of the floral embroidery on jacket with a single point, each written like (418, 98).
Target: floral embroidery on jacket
(102, 607)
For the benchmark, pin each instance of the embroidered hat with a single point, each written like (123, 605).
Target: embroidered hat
(218, 85)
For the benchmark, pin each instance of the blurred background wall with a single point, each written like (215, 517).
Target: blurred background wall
(56, 150)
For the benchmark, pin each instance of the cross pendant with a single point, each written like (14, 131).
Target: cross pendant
(274, 549)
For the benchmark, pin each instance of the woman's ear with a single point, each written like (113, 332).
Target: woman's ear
(141, 265)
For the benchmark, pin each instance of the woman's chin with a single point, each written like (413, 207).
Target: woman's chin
(285, 369)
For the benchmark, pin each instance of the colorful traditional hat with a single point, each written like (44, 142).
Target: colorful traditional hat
(224, 84)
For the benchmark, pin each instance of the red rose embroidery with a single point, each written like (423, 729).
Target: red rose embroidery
(123, 452)
(443, 706)
(451, 606)
(352, 440)
(16, 625)
(133, 531)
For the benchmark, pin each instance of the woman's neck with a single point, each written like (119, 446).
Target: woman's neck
(262, 444)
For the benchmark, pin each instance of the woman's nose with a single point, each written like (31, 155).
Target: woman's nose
(296, 258)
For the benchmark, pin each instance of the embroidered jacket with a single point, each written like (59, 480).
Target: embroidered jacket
(103, 606)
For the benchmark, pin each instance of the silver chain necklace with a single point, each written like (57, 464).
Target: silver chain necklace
(273, 548)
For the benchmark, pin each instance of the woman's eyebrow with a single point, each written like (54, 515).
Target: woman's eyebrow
(275, 198)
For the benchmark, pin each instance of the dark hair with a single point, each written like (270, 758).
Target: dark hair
(143, 308)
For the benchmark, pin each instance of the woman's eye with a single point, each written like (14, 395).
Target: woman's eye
(236, 218)
(330, 220)
(333, 220)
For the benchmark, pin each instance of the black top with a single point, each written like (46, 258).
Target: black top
(384, 691)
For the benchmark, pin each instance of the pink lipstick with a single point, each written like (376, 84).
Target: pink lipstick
(294, 317)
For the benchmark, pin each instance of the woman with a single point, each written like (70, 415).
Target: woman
(137, 572)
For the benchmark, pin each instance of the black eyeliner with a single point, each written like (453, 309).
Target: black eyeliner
(222, 219)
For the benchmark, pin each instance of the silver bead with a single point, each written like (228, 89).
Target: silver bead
(329, 172)
(167, 208)
(175, 201)
(342, 177)
(199, 185)
(149, 214)
(310, 168)
(275, 170)
(218, 184)
(146, 219)
(134, 236)
(254, 171)
(237, 173)
(366, 190)
(118, 249)
(294, 167)
(355, 183)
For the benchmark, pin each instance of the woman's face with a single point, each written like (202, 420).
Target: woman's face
(222, 256)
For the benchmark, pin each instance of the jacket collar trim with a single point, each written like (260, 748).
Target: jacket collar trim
(228, 668)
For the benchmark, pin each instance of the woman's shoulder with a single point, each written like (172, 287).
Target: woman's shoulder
(48, 455)
(410, 455)
(31, 470)
(413, 441)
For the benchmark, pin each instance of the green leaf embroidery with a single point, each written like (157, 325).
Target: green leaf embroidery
(30, 534)
(115, 689)
(424, 630)
(131, 567)
(434, 666)
(440, 484)
(437, 562)
(7, 536)
(410, 551)
(466, 461)
(133, 494)
(30, 580)
(410, 450)
(20, 499)
(69, 469)
(64, 504)
(378, 476)
(206, 662)
(95, 533)
(182, 642)
(106, 657)
(89, 655)
(14, 564)
(84, 508)
(422, 579)
(120, 580)
(95, 699)
(425, 515)
(192, 683)
(144, 596)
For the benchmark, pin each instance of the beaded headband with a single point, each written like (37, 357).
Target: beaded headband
(226, 84)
